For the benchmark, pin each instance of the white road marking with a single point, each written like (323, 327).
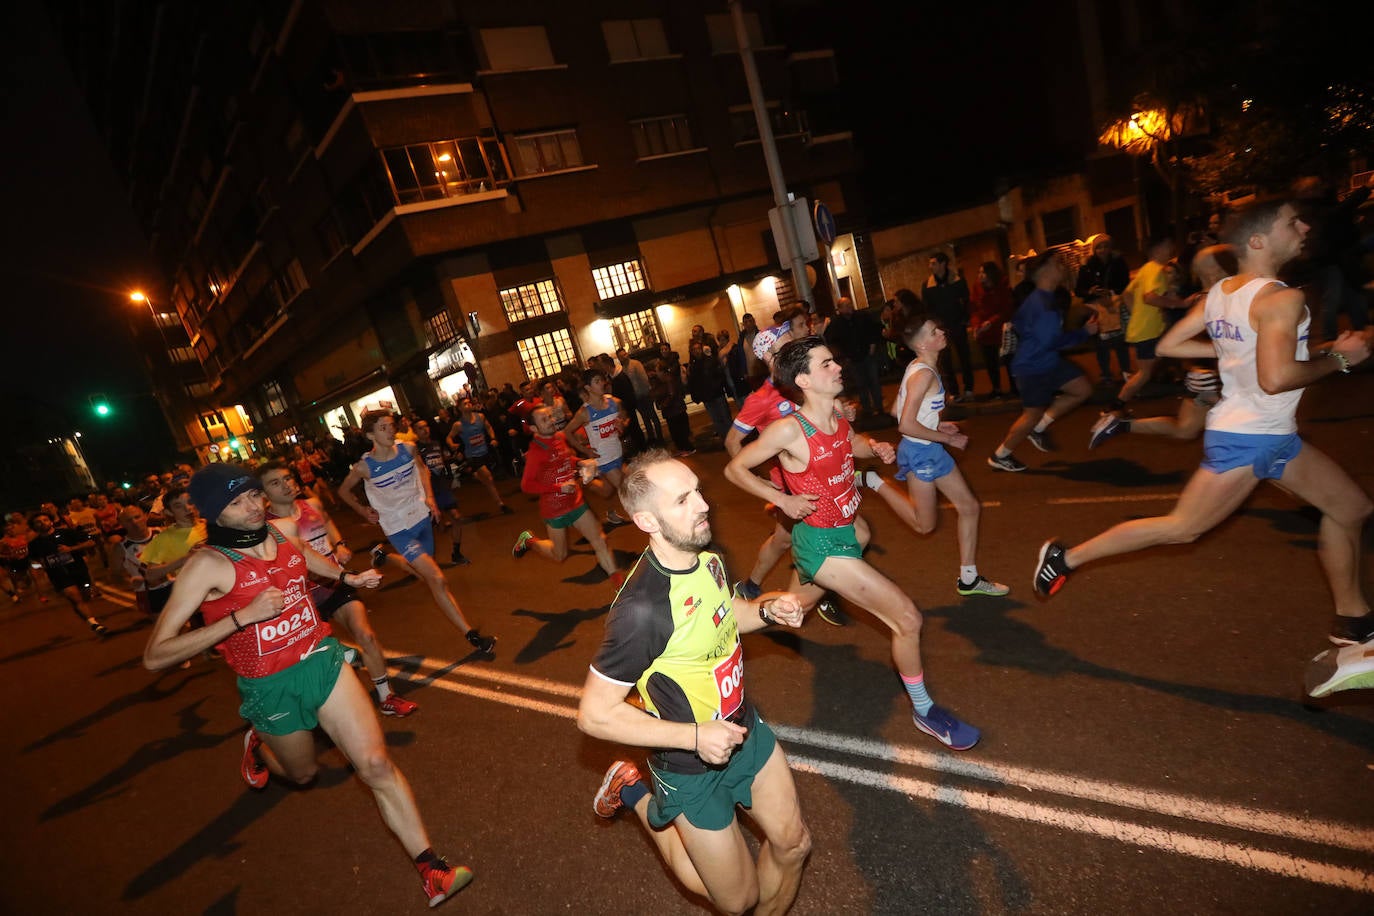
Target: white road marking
(1129, 498)
(1007, 776)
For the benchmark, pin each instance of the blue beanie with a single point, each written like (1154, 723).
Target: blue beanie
(216, 485)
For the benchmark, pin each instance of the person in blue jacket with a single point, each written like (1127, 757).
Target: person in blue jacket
(1051, 386)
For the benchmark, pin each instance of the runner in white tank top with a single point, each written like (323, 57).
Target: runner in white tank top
(1258, 330)
(928, 414)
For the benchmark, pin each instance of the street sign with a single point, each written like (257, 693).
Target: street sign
(797, 213)
(825, 223)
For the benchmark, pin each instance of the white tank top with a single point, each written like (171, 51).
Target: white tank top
(1244, 406)
(603, 431)
(395, 491)
(928, 414)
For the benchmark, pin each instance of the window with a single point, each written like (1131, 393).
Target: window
(786, 122)
(546, 354)
(1061, 226)
(168, 320)
(658, 136)
(446, 168)
(531, 301)
(198, 389)
(722, 29)
(181, 354)
(637, 331)
(288, 283)
(618, 279)
(547, 152)
(520, 48)
(439, 329)
(273, 398)
(634, 39)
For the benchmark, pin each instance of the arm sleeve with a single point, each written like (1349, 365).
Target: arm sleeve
(532, 480)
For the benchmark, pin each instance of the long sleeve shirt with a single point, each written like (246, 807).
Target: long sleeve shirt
(1040, 335)
(549, 464)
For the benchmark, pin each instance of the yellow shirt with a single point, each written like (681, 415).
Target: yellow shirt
(1147, 321)
(173, 543)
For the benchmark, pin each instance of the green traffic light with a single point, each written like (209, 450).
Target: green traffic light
(102, 410)
(233, 443)
(126, 485)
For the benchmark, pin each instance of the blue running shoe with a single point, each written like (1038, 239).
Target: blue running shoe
(748, 590)
(949, 731)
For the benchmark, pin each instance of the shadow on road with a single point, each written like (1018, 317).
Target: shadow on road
(555, 630)
(53, 643)
(1111, 472)
(164, 687)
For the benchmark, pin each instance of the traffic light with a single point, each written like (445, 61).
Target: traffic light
(233, 443)
(100, 405)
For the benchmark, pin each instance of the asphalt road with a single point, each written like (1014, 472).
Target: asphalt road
(1146, 745)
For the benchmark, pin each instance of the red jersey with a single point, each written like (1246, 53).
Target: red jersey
(549, 464)
(764, 405)
(829, 475)
(272, 645)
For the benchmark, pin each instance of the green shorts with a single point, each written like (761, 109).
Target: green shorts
(567, 519)
(288, 701)
(812, 546)
(708, 799)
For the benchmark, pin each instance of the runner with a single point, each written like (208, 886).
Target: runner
(1258, 329)
(673, 634)
(472, 434)
(250, 584)
(924, 464)
(603, 417)
(333, 600)
(59, 553)
(402, 503)
(150, 596)
(436, 458)
(817, 454)
(14, 548)
(552, 472)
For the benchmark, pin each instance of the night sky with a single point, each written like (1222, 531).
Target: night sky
(935, 116)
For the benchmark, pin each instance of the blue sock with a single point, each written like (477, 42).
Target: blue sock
(630, 795)
(916, 689)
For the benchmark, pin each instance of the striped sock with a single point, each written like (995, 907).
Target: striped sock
(916, 689)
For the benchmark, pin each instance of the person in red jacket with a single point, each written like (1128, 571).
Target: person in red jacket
(992, 309)
(554, 473)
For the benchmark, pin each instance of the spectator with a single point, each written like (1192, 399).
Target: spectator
(946, 297)
(991, 310)
(857, 339)
(1101, 281)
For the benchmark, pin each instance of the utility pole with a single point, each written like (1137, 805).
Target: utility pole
(770, 157)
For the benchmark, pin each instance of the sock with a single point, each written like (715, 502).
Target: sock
(1118, 404)
(916, 689)
(1044, 423)
(1002, 451)
(630, 795)
(383, 687)
(426, 859)
(968, 574)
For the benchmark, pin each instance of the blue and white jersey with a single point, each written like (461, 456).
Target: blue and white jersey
(394, 489)
(1244, 406)
(928, 414)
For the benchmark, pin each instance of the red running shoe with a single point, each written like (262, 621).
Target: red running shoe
(394, 705)
(254, 771)
(621, 774)
(441, 881)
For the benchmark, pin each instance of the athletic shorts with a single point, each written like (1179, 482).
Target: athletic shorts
(927, 460)
(567, 519)
(812, 546)
(486, 460)
(289, 701)
(414, 541)
(1038, 389)
(329, 598)
(152, 601)
(1145, 349)
(708, 799)
(612, 465)
(443, 496)
(1267, 455)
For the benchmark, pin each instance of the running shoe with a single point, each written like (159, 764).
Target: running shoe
(829, 610)
(253, 770)
(872, 479)
(981, 586)
(1005, 463)
(1346, 631)
(747, 590)
(607, 802)
(615, 520)
(484, 644)
(97, 627)
(522, 544)
(506, 510)
(944, 728)
(1108, 426)
(1051, 570)
(441, 880)
(395, 705)
(457, 559)
(1041, 440)
(1347, 668)
(378, 553)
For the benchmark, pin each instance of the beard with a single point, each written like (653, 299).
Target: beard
(685, 538)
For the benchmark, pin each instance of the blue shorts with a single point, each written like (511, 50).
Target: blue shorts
(1145, 349)
(414, 541)
(927, 460)
(614, 464)
(443, 496)
(1266, 454)
(1038, 389)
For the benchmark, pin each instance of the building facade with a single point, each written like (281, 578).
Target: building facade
(366, 205)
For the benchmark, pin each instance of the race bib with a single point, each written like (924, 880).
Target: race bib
(297, 619)
(729, 674)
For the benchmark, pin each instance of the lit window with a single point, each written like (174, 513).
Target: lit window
(181, 354)
(618, 279)
(547, 152)
(439, 329)
(445, 168)
(546, 354)
(658, 136)
(275, 401)
(634, 39)
(168, 320)
(637, 331)
(531, 300)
